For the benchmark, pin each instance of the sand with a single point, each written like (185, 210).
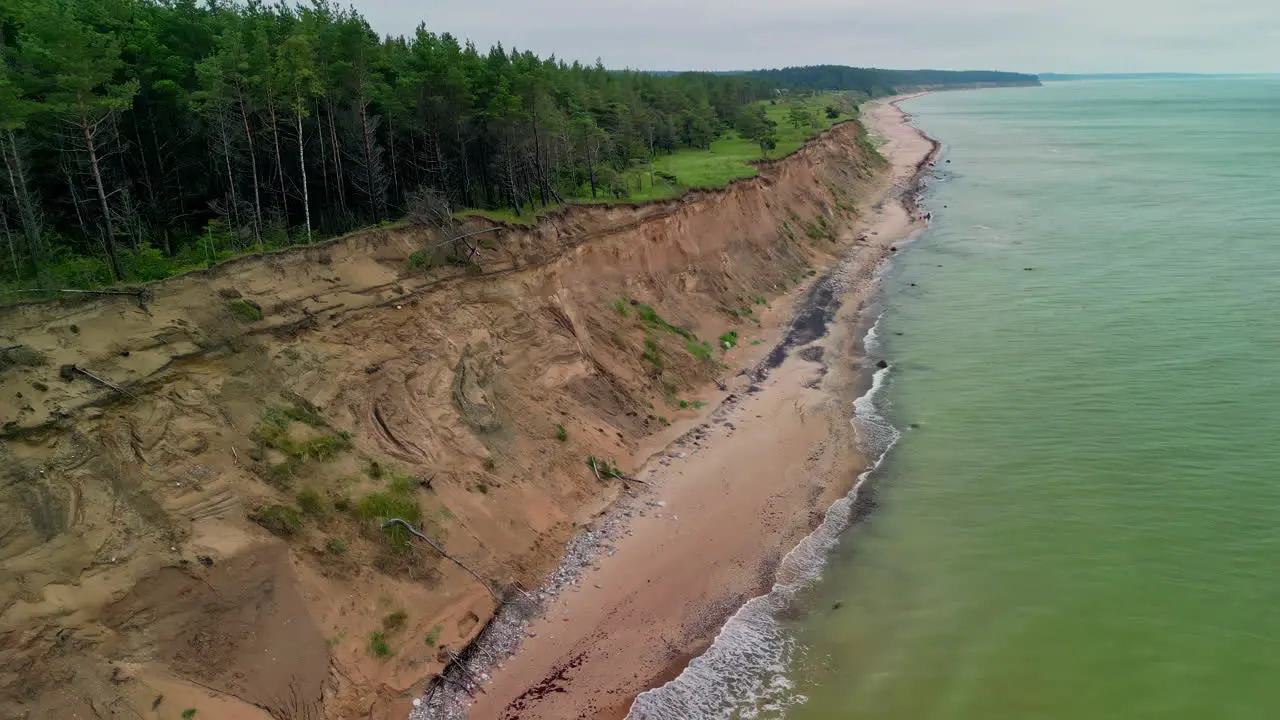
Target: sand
(722, 506)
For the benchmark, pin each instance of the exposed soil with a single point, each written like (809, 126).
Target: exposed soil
(191, 535)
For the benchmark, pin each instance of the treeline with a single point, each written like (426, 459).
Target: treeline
(876, 82)
(139, 137)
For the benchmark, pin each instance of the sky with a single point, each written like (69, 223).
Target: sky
(1070, 36)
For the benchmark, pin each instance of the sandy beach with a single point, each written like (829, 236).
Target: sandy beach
(725, 502)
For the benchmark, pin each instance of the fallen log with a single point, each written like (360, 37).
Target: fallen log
(436, 546)
(100, 381)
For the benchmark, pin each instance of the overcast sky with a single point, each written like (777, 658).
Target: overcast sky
(1021, 35)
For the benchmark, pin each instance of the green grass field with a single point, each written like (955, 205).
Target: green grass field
(729, 159)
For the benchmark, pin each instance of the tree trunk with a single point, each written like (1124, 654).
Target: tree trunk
(231, 183)
(337, 158)
(13, 251)
(117, 269)
(369, 169)
(324, 158)
(253, 167)
(75, 200)
(275, 136)
(466, 170)
(26, 210)
(391, 147)
(537, 161)
(302, 167)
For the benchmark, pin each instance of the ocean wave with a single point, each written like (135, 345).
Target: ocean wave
(744, 673)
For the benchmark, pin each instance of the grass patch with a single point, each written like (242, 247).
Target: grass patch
(729, 340)
(274, 433)
(433, 636)
(698, 404)
(280, 476)
(561, 434)
(620, 307)
(700, 349)
(396, 502)
(378, 646)
(188, 713)
(527, 218)
(281, 520)
(729, 156)
(245, 310)
(21, 356)
(312, 503)
(604, 468)
(652, 320)
(336, 546)
(394, 622)
(652, 353)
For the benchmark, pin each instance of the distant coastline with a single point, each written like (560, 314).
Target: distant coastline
(1066, 77)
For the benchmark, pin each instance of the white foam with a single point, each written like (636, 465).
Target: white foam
(744, 672)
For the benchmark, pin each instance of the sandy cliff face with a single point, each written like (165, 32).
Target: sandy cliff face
(208, 537)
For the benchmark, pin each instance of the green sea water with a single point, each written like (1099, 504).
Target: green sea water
(1085, 524)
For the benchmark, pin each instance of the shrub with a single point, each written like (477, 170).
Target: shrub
(325, 447)
(700, 349)
(378, 645)
(280, 476)
(418, 260)
(336, 546)
(394, 622)
(652, 353)
(312, 503)
(561, 434)
(245, 310)
(620, 307)
(729, 339)
(652, 320)
(605, 468)
(304, 412)
(80, 273)
(433, 637)
(383, 506)
(188, 713)
(281, 520)
(23, 356)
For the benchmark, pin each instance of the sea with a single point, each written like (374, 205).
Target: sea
(1076, 510)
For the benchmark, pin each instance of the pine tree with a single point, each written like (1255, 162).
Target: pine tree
(78, 64)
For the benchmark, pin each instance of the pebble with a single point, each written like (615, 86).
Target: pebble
(512, 626)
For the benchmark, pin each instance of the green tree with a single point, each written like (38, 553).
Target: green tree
(78, 66)
(295, 78)
(15, 110)
(755, 125)
(801, 117)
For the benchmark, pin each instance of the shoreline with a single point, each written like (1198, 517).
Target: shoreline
(619, 634)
